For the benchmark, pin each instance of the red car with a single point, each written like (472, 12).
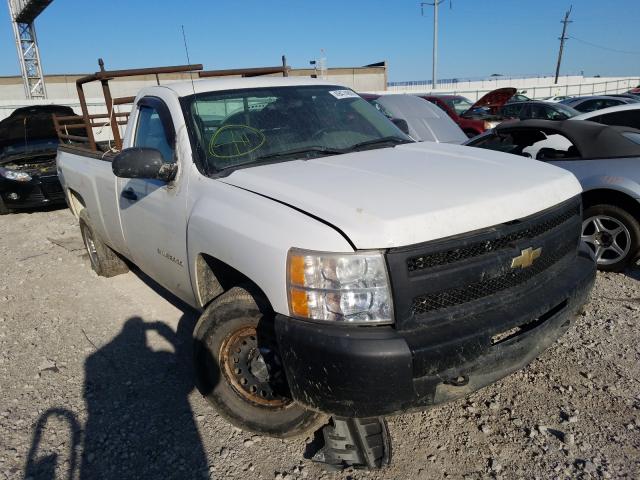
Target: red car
(474, 118)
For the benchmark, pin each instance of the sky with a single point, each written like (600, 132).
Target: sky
(477, 37)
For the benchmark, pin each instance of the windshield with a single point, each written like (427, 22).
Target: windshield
(459, 104)
(566, 110)
(253, 126)
(32, 146)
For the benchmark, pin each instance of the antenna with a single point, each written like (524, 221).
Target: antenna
(186, 49)
(193, 86)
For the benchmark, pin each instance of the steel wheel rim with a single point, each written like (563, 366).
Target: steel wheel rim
(90, 245)
(239, 358)
(608, 239)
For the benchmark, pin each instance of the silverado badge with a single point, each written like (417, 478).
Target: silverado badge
(526, 258)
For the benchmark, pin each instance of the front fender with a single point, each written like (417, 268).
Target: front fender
(252, 234)
(624, 185)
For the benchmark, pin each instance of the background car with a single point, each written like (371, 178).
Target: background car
(633, 96)
(473, 118)
(518, 97)
(425, 121)
(537, 109)
(606, 161)
(556, 98)
(28, 146)
(627, 115)
(596, 102)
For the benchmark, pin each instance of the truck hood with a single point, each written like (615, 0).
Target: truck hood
(412, 193)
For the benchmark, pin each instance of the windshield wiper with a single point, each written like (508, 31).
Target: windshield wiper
(299, 151)
(281, 155)
(380, 142)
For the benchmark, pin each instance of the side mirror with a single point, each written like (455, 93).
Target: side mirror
(143, 163)
(401, 124)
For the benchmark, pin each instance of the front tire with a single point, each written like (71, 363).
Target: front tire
(239, 370)
(613, 236)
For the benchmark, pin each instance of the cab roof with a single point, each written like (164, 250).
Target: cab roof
(186, 88)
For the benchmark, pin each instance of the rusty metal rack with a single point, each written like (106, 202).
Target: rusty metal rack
(79, 128)
(66, 126)
(248, 72)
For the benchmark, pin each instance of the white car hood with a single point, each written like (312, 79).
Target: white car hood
(412, 193)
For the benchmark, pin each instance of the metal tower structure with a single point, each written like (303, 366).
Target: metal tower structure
(23, 14)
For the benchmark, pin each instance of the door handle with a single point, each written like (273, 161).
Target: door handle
(129, 194)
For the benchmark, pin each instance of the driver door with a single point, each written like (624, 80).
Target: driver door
(152, 212)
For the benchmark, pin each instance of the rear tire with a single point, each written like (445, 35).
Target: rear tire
(612, 235)
(104, 261)
(239, 372)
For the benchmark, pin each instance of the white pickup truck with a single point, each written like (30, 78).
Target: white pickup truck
(340, 267)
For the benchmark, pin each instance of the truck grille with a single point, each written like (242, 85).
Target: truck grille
(453, 275)
(479, 248)
(474, 291)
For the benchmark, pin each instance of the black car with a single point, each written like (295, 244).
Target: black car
(539, 110)
(28, 145)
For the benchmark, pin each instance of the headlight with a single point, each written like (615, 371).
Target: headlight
(489, 125)
(13, 175)
(340, 287)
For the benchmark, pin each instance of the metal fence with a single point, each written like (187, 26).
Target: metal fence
(534, 92)
(459, 83)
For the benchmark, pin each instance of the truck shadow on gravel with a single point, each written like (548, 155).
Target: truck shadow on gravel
(139, 421)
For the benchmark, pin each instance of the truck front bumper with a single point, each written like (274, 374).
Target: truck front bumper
(371, 371)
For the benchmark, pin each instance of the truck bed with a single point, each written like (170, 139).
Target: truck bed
(89, 177)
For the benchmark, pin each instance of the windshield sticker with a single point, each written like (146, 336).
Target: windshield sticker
(232, 141)
(340, 94)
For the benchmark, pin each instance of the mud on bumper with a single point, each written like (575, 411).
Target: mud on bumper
(372, 371)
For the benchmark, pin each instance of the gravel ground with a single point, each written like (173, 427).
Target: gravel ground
(97, 383)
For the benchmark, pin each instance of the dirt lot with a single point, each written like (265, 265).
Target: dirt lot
(96, 380)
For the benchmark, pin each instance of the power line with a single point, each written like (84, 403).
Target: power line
(627, 52)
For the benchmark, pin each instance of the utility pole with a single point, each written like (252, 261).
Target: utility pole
(562, 39)
(434, 67)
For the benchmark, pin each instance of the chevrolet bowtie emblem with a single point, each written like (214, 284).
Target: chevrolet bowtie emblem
(526, 258)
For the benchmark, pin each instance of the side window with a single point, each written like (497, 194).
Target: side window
(523, 111)
(553, 147)
(552, 114)
(532, 144)
(150, 133)
(501, 143)
(511, 110)
(589, 106)
(628, 118)
(538, 111)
